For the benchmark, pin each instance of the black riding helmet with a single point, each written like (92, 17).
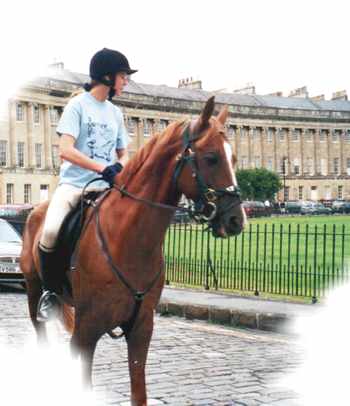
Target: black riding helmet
(108, 62)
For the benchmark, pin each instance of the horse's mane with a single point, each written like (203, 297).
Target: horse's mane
(155, 154)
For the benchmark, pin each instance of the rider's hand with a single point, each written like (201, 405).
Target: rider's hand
(110, 171)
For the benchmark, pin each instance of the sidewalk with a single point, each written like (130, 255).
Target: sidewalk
(257, 313)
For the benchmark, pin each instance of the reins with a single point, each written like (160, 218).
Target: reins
(208, 197)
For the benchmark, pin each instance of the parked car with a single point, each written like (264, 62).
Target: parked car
(16, 214)
(293, 207)
(10, 250)
(309, 208)
(320, 208)
(341, 206)
(181, 217)
(255, 209)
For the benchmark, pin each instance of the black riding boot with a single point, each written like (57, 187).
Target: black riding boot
(49, 305)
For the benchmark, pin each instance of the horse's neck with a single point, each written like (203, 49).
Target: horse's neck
(146, 224)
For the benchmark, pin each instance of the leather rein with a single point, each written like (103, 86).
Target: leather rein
(207, 199)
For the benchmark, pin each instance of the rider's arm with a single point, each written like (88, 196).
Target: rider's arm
(122, 155)
(68, 152)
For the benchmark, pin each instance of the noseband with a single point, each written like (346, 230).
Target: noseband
(208, 196)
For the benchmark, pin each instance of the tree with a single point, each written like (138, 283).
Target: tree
(258, 184)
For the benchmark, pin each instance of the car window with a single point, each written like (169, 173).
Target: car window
(7, 233)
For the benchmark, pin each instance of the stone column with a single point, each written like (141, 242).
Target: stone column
(249, 142)
(316, 140)
(238, 141)
(262, 140)
(302, 148)
(30, 147)
(328, 157)
(47, 138)
(288, 139)
(341, 145)
(277, 149)
(12, 138)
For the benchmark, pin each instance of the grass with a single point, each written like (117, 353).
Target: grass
(294, 255)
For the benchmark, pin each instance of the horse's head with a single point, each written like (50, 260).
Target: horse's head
(205, 173)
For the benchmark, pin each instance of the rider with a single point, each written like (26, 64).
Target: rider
(91, 131)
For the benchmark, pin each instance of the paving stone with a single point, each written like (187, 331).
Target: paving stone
(190, 362)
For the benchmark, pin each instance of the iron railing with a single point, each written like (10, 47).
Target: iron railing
(292, 260)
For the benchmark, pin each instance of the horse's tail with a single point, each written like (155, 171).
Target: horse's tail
(68, 317)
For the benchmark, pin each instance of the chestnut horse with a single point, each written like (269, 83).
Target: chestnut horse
(128, 232)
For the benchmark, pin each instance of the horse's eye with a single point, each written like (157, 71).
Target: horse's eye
(211, 160)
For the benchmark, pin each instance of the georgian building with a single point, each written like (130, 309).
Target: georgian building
(306, 141)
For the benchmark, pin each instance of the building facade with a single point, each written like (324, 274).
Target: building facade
(306, 141)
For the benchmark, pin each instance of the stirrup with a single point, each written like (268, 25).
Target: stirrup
(48, 307)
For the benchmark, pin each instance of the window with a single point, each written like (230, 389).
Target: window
(20, 154)
(36, 113)
(270, 163)
(309, 167)
(286, 193)
(324, 169)
(296, 134)
(257, 161)
(244, 132)
(327, 192)
(44, 192)
(27, 193)
(296, 166)
(163, 124)
(336, 135)
(19, 112)
(244, 162)
(340, 192)
(3, 153)
(283, 168)
(348, 166)
(323, 135)
(9, 193)
(300, 193)
(147, 127)
(282, 134)
(336, 166)
(269, 134)
(314, 193)
(38, 155)
(54, 115)
(309, 135)
(131, 125)
(347, 135)
(55, 157)
(231, 130)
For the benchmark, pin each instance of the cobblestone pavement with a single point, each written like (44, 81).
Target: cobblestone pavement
(190, 362)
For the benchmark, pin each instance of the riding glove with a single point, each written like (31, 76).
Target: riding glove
(110, 171)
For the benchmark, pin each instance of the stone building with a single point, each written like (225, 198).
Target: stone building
(306, 140)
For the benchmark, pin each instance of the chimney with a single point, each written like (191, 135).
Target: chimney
(299, 92)
(318, 98)
(279, 94)
(248, 89)
(56, 65)
(340, 95)
(190, 83)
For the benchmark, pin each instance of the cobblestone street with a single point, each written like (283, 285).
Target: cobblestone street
(190, 362)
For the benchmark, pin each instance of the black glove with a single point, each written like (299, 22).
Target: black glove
(109, 172)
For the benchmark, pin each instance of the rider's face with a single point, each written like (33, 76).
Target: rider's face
(121, 80)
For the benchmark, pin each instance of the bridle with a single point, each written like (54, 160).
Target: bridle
(208, 196)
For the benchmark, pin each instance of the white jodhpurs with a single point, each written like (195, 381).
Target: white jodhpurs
(63, 200)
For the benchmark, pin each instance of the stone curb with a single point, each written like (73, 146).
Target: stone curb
(276, 322)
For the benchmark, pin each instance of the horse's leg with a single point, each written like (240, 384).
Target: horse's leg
(138, 344)
(34, 292)
(83, 343)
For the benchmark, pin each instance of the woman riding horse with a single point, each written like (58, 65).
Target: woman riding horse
(91, 131)
(119, 261)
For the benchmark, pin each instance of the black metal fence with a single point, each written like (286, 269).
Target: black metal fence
(293, 260)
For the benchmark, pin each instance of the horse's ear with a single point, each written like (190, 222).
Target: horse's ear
(203, 121)
(222, 116)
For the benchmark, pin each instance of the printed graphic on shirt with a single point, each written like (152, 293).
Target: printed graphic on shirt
(99, 140)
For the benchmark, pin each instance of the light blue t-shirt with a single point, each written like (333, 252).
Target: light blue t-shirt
(98, 128)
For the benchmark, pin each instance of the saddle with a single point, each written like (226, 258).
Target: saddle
(69, 235)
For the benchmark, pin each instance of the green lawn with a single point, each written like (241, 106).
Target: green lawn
(294, 255)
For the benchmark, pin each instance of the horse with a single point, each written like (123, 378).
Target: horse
(119, 268)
